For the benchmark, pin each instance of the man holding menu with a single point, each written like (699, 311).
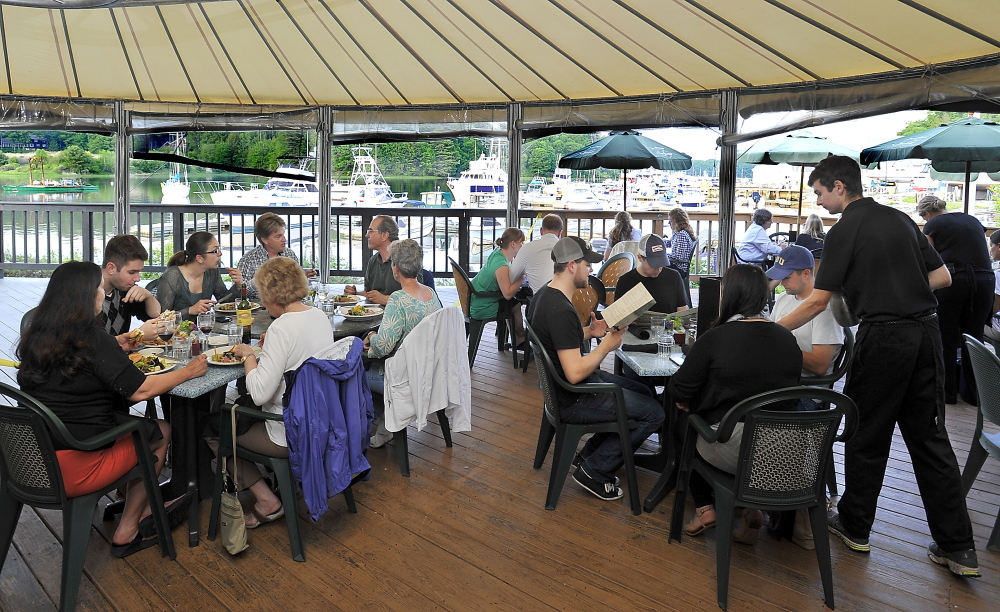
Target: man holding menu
(554, 320)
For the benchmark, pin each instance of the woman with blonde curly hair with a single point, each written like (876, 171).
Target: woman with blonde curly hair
(297, 333)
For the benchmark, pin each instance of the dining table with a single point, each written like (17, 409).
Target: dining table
(651, 365)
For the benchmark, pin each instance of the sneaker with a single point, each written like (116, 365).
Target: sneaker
(578, 460)
(961, 563)
(853, 542)
(604, 490)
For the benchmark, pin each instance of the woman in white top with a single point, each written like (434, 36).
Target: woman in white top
(297, 333)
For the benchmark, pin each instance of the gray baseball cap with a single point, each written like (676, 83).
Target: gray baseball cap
(572, 248)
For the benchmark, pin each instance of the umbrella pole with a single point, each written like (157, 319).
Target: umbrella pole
(624, 189)
(798, 217)
(968, 175)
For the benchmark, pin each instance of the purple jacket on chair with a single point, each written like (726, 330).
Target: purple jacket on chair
(327, 414)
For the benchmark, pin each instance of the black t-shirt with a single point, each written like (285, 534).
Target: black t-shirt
(960, 239)
(667, 288)
(877, 256)
(735, 361)
(86, 401)
(557, 326)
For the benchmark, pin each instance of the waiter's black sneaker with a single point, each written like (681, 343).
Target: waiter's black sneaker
(961, 563)
(855, 543)
(604, 490)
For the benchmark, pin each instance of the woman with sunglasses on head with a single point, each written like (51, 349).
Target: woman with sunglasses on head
(193, 280)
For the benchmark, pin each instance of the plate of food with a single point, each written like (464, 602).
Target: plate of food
(347, 299)
(152, 364)
(230, 307)
(154, 341)
(224, 356)
(360, 312)
(150, 351)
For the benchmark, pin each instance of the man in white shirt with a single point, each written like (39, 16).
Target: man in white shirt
(821, 338)
(535, 258)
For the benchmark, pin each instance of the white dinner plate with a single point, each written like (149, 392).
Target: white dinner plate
(150, 351)
(218, 340)
(230, 307)
(371, 311)
(223, 349)
(341, 300)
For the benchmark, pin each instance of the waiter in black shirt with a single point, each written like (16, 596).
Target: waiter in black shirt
(964, 307)
(887, 272)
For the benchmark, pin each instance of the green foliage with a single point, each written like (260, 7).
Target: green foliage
(75, 159)
(936, 118)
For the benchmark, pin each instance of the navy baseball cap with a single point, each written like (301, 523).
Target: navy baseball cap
(652, 248)
(789, 260)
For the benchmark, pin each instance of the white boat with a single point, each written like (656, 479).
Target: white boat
(484, 184)
(367, 186)
(276, 192)
(690, 198)
(582, 198)
(176, 188)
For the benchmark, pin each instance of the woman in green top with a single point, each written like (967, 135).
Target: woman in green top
(495, 275)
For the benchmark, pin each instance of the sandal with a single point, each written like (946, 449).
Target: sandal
(749, 530)
(704, 519)
(262, 518)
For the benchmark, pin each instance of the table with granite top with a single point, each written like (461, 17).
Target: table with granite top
(665, 460)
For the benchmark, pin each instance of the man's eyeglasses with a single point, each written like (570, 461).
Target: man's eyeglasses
(373, 231)
(216, 251)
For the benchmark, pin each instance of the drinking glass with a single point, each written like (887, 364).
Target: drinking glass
(166, 328)
(657, 324)
(235, 333)
(665, 345)
(206, 323)
(182, 348)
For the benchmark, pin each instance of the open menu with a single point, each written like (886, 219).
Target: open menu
(628, 307)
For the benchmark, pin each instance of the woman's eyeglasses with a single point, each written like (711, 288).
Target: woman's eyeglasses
(216, 251)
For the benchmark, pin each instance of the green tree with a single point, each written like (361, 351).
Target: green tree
(74, 159)
(936, 118)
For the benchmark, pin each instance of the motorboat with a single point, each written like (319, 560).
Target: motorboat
(484, 184)
(582, 198)
(367, 186)
(275, 192)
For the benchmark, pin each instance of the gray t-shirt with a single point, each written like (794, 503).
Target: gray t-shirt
(378, 275)
(821, 330)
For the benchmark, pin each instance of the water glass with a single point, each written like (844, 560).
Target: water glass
(182, 348)
(657, 324)
(235, 333)
(665, 345)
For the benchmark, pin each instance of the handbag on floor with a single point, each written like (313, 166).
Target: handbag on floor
(231, 523)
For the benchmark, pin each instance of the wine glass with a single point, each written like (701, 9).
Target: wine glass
(206, 323)
(166, 329)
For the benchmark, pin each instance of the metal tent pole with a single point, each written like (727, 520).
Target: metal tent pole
(515, 113)
(728, 117)
(123, 151)
(323, 161)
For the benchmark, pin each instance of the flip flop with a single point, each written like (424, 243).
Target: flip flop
(120, 551)
(261, 519)
(176, 513)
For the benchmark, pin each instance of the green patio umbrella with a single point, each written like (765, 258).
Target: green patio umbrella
(968, 145)
(626, 150)
(800, 148)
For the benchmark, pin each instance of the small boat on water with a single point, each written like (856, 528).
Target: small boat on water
(177, 188)
(484, 184)
(276, 192)
(47, 185)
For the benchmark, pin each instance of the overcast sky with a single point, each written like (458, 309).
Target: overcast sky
(699, 143)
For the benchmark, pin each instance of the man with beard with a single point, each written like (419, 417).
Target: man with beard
(557, 325)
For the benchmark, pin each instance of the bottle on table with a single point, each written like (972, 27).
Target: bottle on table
(243, 316)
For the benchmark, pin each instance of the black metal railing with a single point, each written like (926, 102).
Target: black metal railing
(40, 235)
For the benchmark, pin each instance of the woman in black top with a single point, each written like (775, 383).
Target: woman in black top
(813, 233)
(79, 371)
(742, 355)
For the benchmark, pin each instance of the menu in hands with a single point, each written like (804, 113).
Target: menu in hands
(628, 307)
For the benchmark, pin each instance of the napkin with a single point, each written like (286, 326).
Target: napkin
(640, 348)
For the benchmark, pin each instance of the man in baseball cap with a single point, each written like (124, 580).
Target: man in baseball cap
(663, 283)
(555, 323)
(821, 338)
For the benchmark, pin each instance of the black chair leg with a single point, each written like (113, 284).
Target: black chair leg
(545, 435)
(562, 458)
(349, 498)
(821, 538)
(402, 451)
(213, 517)
(475, 335)
(994, 542)
(723, 546)
(78, 517)
(977, 457)
(831, 476)
(445, 427)
(283, 473)
(10, 513)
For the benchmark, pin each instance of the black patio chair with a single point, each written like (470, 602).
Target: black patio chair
(30, 474)
(841, 363)
(567, 435)
(986, 369)
(782, 463)
(504, 317)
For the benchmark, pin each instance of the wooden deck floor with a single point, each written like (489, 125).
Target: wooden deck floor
(468, 531)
